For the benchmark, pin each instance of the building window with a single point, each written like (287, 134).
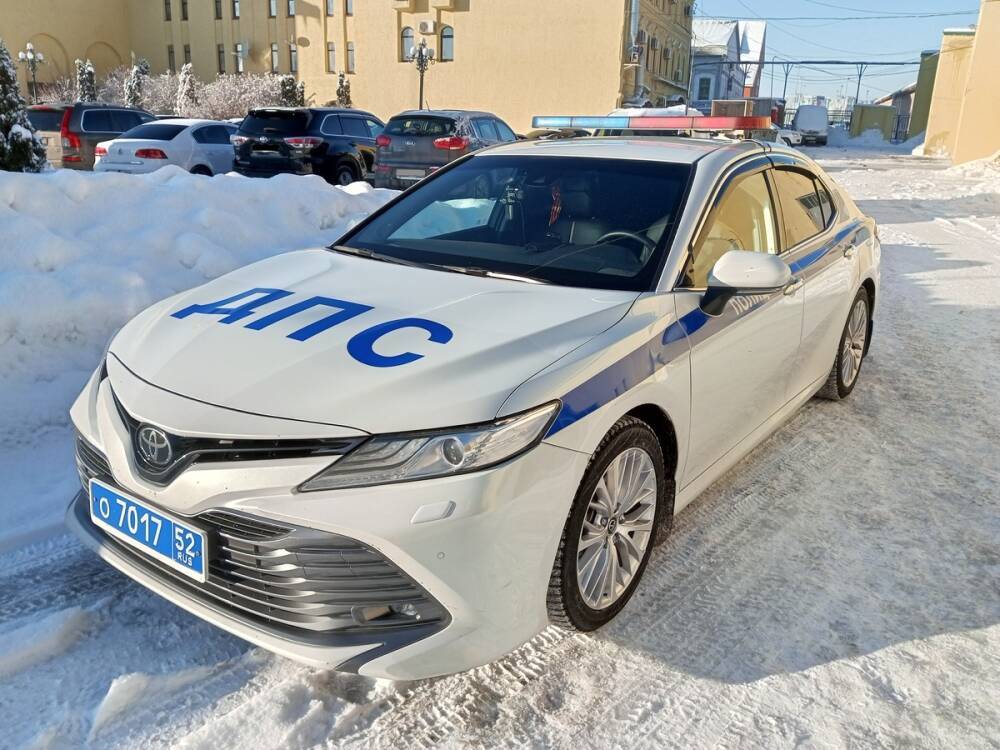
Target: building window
(187, 53)
(350, 57)
(272, 8)
(331, 57)
(218, 10)
(238, 51)
(447, 44)
(274, 57)
(166, 10)
(221, 54)
(184, 10)
(348, 7)
(291, 8)
(236, 8)
(330, 7)
(405, 43)
(171, 60)
(704, 92)
(293, 58)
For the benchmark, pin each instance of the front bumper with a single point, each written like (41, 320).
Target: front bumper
(480, 546)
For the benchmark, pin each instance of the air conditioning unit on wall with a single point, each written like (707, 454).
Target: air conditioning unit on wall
(427, 27)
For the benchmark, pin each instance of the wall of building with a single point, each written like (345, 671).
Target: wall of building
(923, 94)
(667, 67)
(64, 30)
(978, 128)
(949, 91)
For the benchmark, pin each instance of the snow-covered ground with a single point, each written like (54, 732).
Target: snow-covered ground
(840, 587)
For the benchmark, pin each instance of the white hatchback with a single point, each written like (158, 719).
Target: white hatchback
(475, 413)
(198, 146)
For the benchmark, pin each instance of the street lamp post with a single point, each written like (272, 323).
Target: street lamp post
(31, 60)
(423, 57)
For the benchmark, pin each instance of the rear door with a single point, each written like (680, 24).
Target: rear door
(411, 150)
(48, 122)
(217, 147)
(359, 137)
(96, 125)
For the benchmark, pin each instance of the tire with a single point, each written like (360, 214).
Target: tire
(821, 141)
(570, 605)
(787, 142)
(851, 350)
(344, 174)
(201, 169)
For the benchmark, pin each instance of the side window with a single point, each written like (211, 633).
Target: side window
(485, 129)
(122, 120)
(354, 126)
(375, 128)
(742, 220)
(825, 203)
(331, 126)
(200, 135)
(506, 134)
(800, 209)
(218, 135)
(97, 121)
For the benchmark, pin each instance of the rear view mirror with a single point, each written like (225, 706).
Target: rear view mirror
(743, 272)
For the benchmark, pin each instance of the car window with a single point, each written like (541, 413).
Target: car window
(485, 129)
(277, 122)
(506, 134)
(97, 121)
(155, 131)
(45, 119)
(354, 126)
(742, 220)
(825, 203)
(574, 221)
(218, 135)
(122, 120)
(800, 210)
(331, 126)
(375, 127)
(429, 126)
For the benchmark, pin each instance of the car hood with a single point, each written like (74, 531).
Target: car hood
(410, 348)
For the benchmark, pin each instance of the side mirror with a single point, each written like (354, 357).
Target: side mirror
(742, 272)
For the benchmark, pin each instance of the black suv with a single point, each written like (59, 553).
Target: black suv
(70, 132)
(417, 142)
(336, 144)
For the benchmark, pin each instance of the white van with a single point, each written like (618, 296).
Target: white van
(812, 121)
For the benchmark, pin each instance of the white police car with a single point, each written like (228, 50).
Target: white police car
(406, 454)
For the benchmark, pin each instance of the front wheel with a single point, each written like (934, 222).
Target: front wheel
(850, 352)
(609, 534)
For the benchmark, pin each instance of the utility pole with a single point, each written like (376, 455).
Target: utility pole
(31, 60)
(862, 67)
(787, 67)
(423, 58)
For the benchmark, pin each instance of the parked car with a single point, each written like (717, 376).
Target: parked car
(71, 132)
(471, 416)
(336, 144)
(813, 122)
(419, 142)
(199, 146)
(788, 136)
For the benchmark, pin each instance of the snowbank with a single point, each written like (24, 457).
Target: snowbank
(82, 253)
(839, 137)
(41, 640)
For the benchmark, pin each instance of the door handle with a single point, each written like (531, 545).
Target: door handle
(793, 285)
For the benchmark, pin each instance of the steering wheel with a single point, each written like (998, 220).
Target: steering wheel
(647, 244)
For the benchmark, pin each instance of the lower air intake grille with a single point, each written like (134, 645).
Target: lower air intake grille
(90, 463)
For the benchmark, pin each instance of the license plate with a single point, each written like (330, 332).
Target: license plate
(410, 174)
(176, 543)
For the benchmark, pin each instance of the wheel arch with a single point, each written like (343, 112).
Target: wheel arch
(661, 424)
(869, 286)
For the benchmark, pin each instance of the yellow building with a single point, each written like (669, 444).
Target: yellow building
(965, 104)
(516, 58)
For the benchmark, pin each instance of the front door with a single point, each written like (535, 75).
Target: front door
(740, 358)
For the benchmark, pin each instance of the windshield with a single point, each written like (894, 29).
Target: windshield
(583, 222)
(431, 126)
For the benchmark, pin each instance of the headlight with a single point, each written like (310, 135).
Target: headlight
(399, 458)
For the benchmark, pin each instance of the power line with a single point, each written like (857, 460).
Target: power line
(854, 18)
(855, 10)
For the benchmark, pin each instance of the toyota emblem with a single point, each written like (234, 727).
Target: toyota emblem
(154, 447)
(263, 139)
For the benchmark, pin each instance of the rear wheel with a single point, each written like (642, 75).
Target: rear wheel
(850, 352)
(344, 174)
(201, 169)
(610, 532)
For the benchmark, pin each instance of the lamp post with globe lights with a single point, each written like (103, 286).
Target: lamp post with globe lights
(423, 57)
(31, 60)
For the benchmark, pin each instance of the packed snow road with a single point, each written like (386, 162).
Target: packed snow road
(840, 586)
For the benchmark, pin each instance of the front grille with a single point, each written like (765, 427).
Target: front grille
(298, 580)
(90, 463)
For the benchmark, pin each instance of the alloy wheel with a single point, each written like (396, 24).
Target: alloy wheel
(853, 348)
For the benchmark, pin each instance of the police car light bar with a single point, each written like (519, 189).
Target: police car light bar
(653, 123)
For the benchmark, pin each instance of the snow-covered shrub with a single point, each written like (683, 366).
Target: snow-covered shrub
(159, 94)
(134, 82)
(290, 92)
(343, 91)
(86, 81)
(62, 89)
(20, 149)
(187, 97)
(232, 95)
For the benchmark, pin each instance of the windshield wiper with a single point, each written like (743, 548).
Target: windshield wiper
(486, 273)
(360, 252)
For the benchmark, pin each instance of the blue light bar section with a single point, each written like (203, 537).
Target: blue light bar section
(590, 123)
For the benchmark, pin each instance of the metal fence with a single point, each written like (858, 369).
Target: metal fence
(842, 117)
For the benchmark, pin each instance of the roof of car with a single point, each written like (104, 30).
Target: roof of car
(666, 149)
(324, 110)
(187, 121)
(443, 113)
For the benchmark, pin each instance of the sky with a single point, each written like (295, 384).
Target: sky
(898, 38)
